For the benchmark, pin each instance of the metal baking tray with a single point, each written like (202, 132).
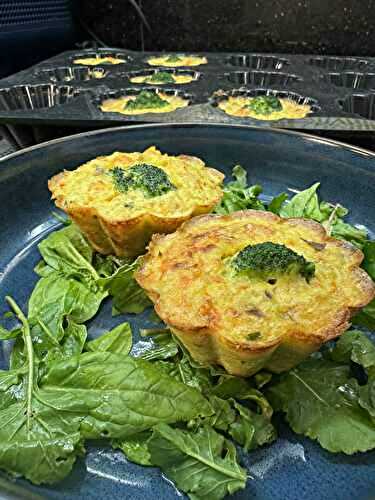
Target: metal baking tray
(340, 90)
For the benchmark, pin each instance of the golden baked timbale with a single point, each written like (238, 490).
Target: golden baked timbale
(122, 223)
(246, 324)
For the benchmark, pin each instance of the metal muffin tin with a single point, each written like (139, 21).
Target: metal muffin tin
(340, 90)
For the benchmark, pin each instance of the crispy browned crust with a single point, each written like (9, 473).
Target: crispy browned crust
(202, 333)
(130, 236)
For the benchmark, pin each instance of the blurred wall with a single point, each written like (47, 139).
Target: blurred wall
(340, 27)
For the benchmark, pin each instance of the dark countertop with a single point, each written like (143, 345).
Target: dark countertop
(342, 27)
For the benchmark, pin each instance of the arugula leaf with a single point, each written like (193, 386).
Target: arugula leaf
(366, 317)
(251, 429)
(367, 395)
(343, 231)
(203, 464)
(276, 203)
(135, 448)
(222, 417)
(319, 402)
(117, 341)
(354, 345)
(128, 296)
(119, 396)
(368, 263)
(237, 195)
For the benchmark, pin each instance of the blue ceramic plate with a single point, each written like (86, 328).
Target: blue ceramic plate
(292, 468)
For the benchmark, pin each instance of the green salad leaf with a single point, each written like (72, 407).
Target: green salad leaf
(357, 347)
(120, 396)
(67, 252)
(163, 345)
(304, 204)
(50, 406)
(117, 341)
(135, 448)
(127, 295)
(277, 203)
(366, 317)
(354, 345)
(307, 204)
(41, 447)
(321, 400)
(54, 299)
(237, 195)
(203, 464)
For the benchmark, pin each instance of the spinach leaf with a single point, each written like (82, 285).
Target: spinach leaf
(203, 464)
(119, 396)
(164, 345)
(54, 299)
(41, 444)
(117, 341)
(321, 401)
(230, 386)
(35, 441)
(135, 448)
(74, 339)
(9, 334)
(304, 204)
(67, 252)
(128, 296)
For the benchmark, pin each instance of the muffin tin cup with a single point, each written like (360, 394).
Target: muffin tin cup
(282, 94)
(351, 80)
(262, 78)
(35, 97)
(195, 75)
(67, 74)
(104, 95)
(99, 53)
(339, 89)
(362, 105)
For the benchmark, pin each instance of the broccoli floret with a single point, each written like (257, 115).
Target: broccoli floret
(264, 105)
(270, 260)
(173, 58)
(161, 77)
(153, 181)
(146, 99)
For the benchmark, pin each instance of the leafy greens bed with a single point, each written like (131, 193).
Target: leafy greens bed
(160, 407)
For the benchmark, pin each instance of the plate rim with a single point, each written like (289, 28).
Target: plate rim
(268, 131)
